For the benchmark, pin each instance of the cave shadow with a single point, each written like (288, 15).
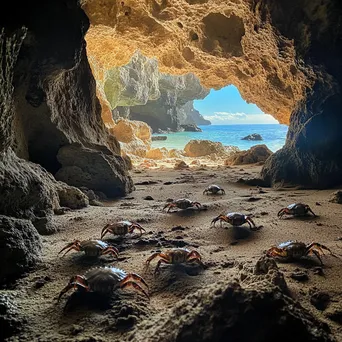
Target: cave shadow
(237, 233)
(301, 218)
(188, 212)
(81, 259)
(307, 262)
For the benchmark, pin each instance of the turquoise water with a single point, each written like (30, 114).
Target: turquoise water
(273, 136)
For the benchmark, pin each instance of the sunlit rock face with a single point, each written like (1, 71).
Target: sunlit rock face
(138, 91)
(283, 56)
(222, 42)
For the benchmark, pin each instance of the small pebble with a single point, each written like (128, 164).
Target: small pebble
(300, 276)
(148, 198)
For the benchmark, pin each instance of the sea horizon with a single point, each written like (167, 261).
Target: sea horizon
(273, 135)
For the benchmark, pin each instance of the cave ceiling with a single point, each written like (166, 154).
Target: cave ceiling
(222, 42)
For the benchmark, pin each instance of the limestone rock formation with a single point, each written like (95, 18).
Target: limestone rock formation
(192, 116)
(98, 170)
(253, 137)
(157, 153)
(256, 154)
(282, 56)
(198, 148)
(20, 247)
(190, 128)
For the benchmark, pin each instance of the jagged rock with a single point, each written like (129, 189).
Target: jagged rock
(256, 154)
(159, 137)
(190, 128)
(127, 130)
(198, 148)
(71, 197)
(20, 247)
(97, 170)
(253, 137)
(336, 197)
(174, 153)
(225, 310)
(192, 116)
(157, 153)
(10, 320)
(181, 165)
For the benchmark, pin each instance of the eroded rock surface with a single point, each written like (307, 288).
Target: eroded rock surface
(256, 154)
(198, 148)
(20, 247)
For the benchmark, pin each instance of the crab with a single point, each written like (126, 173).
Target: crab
(105, 280)
(296, 209)
(235, 219)
(121, 228)
(294, 250)
(92, 248)
(175, 256)
(214, 189)
(182, 203)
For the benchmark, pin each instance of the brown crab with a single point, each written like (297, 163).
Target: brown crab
(175, 256)
(296, 209)
(121, 228)
(294, 250)
(92, 248)
(105, 280)
(214, 189)
(182, 203)
(235, 219)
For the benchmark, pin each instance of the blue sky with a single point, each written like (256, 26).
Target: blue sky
(226, 106)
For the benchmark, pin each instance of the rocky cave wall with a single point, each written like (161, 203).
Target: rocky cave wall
(138, 91)
(50, 121)
(283, 56)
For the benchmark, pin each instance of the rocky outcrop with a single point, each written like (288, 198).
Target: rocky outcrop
(97, 170)
(256, 154)
(253, 137)
(190, 128)
(20, 247)
(192, 116)
(199, 148)
(138, 91)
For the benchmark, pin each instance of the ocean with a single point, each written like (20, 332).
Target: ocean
(273, 136)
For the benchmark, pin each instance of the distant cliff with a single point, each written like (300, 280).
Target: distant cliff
(192, 115)
(138, 91)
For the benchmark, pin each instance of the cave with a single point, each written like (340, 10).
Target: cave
(74, 74)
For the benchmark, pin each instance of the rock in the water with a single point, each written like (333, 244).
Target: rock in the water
(10, 320)
(256, 154)
(190, 128)
(95, 169)
(20, 247)
(253, 137)
(159, 137)
(198, 148)
(336, 197)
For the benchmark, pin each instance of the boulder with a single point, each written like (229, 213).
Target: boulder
(181, 165)
(157, 153)
(190, 128)
(336, 197)
(256, 154)
(95, 169)
(199, 148)
(20, 247)
(253, 137)
(159, 137)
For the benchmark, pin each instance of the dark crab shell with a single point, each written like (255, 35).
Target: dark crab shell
(183, 203)
(214, 188)
(104, 279)
(93, 247)
(298, 208)
(236, 219)
(294, 249)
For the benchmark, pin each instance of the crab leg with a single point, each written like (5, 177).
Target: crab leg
(74, 282)
(138, 227)
(197, 204)
(195, 256)
(132, 283)
(320, 247)
(251, 223)
(106, 229)
(71, 247)
(275, 251)
(310, 210)
(135, 277)
(111, 250)
(314, 251)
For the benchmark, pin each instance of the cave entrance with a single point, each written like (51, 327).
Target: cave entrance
(232, 119)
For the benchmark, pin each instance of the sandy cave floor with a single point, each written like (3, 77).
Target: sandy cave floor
(220, 248)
